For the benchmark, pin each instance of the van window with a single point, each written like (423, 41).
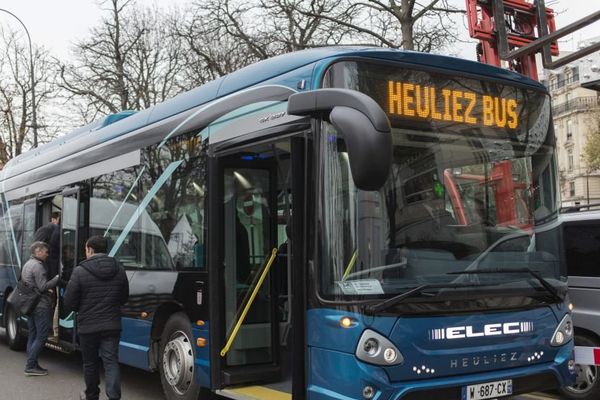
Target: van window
(582, 249)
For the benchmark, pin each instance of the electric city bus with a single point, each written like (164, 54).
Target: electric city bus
(300, 229)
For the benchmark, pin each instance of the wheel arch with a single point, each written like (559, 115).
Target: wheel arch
(7, 293)
(161, 316)
(587, 333)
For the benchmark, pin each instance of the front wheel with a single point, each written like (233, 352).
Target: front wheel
(15, 340)
(587, 384)
(177, 357)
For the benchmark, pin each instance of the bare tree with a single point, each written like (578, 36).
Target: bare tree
(408, 24)
(129, 61)
(225, 35)
(15, 95)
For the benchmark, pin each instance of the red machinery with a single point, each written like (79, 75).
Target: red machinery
(521, 27)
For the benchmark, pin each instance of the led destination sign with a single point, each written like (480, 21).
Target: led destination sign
(430, 103)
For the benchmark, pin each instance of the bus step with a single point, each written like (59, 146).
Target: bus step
(254, 393)
(59, 347)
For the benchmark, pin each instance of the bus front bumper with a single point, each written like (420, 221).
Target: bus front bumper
(349, 377)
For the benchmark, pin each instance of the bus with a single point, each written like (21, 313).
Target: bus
(300, 229)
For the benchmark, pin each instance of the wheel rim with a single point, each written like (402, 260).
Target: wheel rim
(586, 378)
(11, 324)
(178, 362)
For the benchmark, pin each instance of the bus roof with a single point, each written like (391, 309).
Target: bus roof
(287, 69)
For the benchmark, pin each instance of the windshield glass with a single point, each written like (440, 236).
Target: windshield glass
(472, 187)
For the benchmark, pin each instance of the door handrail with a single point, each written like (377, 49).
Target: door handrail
(257, 288)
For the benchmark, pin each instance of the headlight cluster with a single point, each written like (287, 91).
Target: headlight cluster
(564, 332)
(377, 349)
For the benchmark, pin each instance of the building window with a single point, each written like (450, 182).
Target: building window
(570, 159)
(569, 129)
(571, 189)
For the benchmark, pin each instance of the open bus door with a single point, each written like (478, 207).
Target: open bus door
(249, 345)
(257, 325)
(73, 235)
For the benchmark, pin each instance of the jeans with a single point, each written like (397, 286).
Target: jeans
(38, 323)
(105, 346)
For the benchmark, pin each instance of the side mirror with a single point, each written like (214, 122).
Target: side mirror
(362, 123)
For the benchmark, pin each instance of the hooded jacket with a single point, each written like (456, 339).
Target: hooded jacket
(97, 289)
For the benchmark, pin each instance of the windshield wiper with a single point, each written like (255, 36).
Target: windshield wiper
(545, 284)
(378, 307)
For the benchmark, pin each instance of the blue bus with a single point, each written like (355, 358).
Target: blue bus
(336, 223)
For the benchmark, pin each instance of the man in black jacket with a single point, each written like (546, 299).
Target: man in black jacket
(97, 290)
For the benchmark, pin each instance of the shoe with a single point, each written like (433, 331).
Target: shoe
(35, 372)
(41, 368)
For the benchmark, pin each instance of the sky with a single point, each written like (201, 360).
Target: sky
(57, 24)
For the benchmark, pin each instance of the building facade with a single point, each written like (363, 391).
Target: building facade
(575, 110)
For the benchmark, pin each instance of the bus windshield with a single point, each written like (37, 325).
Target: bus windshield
(471, 188)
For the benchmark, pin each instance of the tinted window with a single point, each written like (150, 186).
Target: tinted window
(7, 245)
(582, 249)
(153, 213)
(28, 228)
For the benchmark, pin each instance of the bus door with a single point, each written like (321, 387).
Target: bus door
(250, 309)
(72, 251)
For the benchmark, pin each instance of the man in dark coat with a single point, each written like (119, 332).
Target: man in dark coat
(34, 275)
(50, 234)
(97, 290)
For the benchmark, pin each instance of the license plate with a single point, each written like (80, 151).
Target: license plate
(489, 390)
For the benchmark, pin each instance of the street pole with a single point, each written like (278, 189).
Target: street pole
(32, 77)
(587, 180)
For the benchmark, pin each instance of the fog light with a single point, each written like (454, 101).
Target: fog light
(569, 328)
(571, 365)
(371, 347)
(368, 392)
(390, 355)
(570, 306)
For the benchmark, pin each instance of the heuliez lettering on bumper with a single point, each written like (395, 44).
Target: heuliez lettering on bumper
(489, 359)
(469, 331)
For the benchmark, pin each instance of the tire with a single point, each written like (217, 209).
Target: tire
(176, 360)
(587, 385)
(16, 341)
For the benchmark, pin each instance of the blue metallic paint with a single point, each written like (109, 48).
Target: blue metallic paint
(134, 346)
(335, 373)
(202, 361)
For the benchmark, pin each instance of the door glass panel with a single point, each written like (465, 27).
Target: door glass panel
(247, 228)
(28, 228)
(68, 258)
(69, 235)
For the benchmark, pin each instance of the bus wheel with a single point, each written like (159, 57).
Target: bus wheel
(15, 340)
(587, 384)
(177, 360)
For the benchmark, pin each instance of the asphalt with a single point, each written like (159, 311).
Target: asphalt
(65, 378)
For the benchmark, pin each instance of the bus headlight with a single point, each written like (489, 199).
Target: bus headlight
(377, 349)
(564, 332)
